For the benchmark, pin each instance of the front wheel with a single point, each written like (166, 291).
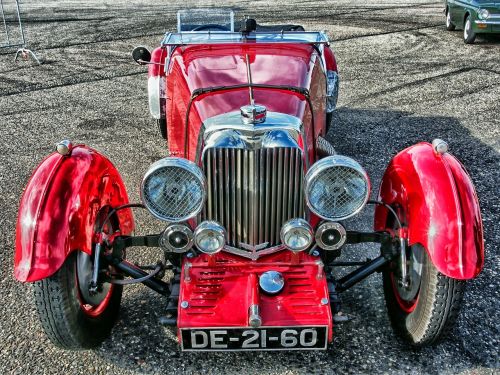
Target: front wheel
(70, 317)
(469, 34)
(449, 25)
(424, 308)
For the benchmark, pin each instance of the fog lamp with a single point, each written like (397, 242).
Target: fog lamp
(177, 238)
(210, 237)
(296, 235)
(330, 236)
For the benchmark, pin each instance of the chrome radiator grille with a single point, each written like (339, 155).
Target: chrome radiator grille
(253, 192)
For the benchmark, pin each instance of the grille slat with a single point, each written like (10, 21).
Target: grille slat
(220, 163)
(238, 195)
(262, 195)
(215, 194)
(267, 221)
(245, 172)
(227, 191)
(279, 193)
(252, 193)
(273, 199)
(232, 177)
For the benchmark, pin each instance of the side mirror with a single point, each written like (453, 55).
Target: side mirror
(141, 55)
(248, 25)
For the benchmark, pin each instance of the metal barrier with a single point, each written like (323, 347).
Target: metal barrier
(13, 32)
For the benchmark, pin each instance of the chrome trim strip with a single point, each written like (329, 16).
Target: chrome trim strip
(486, 22)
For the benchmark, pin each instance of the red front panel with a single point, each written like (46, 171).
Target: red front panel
(219, 292)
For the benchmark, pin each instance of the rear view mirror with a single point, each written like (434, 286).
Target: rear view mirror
(141, 55)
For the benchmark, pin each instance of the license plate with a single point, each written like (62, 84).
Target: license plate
(264, 338)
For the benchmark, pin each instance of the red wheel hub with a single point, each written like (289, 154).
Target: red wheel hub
(96, 310)
(406, 306)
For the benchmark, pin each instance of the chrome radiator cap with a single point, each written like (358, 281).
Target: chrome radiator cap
(253, 114)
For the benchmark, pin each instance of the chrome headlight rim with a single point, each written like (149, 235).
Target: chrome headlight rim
(179, 163)
(329, 162)
(297, 223)
(483, 14)
(214, 226)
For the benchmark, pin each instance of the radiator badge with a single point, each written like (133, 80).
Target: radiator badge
(254, 248)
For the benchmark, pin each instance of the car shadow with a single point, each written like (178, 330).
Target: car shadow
(373, 137)
(484, 40)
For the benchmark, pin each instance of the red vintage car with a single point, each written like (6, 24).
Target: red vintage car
(251, 203)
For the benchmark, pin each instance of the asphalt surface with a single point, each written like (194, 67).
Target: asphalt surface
(404, 78)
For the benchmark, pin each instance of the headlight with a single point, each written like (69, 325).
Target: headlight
(296, 235)
(483, 13)
(336, 187)
(174, 189)
(210, 237)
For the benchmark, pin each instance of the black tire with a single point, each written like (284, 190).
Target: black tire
(162, 127)
(469, 34)
(435, 310)
(63, 318)
(450, 26)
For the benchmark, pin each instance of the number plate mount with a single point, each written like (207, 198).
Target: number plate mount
(254, 339)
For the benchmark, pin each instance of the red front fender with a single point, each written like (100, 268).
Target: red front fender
(58, 209)
(440, 207)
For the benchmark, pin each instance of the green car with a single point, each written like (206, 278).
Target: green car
(473, 16)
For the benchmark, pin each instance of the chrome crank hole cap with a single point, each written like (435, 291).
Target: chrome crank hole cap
(271, 282)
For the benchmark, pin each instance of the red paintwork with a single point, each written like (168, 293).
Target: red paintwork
(330, 61)
(58, 209)
(220, 292)
(440, 207)
(195, 66)
(95, 311)
(156, 68)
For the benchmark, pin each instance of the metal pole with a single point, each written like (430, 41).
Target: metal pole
(4, 23)
(21, 42)
(20, 24)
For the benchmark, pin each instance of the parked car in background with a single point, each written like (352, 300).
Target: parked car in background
(473, 16)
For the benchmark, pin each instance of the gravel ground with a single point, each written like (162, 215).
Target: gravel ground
(404, 79)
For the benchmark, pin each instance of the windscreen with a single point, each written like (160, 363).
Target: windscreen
(205, 19)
